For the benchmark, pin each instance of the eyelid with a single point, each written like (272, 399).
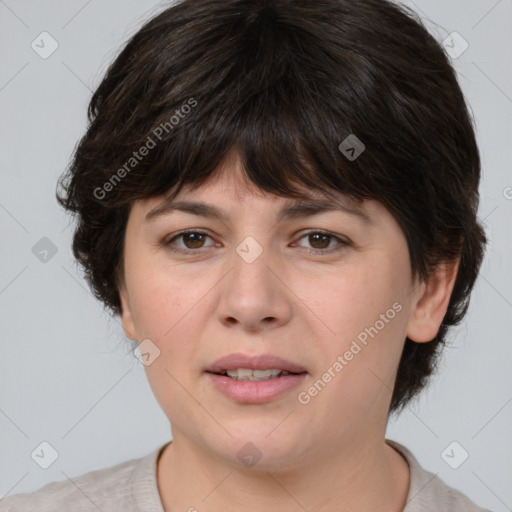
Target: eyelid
(312, 231)
(342, 241)
(168, 239)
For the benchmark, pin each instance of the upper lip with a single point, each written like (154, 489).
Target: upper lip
(259, 362)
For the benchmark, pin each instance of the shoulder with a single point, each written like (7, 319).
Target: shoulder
(427, 492)
(117, 487)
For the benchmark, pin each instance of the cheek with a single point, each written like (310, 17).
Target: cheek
(356, 299)
(158, 296)
(153, 307)
(366, 312)
(169, 307)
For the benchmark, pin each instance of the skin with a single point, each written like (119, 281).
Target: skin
(328, 454)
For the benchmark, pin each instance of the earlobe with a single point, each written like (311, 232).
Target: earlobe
(126, 315)
(432, 302)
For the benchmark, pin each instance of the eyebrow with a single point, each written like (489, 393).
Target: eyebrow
(300, 209)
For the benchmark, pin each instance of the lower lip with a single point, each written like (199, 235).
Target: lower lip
(255, 392)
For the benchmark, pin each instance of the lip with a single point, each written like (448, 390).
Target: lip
(259, 362)
(254, 392)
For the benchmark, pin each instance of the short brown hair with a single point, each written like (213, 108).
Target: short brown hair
(285, 82)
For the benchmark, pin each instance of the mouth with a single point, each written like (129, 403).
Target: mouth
(247, 374)
(254, 379)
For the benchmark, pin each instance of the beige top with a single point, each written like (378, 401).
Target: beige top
(132, 486)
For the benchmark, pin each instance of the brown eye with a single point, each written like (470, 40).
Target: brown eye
(319, 240)
(191, 241)
(321, 243)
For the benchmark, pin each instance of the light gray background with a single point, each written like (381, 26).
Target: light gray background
(67, 374)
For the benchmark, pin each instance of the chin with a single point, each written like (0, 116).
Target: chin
(254, 449)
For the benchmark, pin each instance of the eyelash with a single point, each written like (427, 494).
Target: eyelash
(322, 252)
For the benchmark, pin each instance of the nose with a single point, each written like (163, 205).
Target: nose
(254, 297)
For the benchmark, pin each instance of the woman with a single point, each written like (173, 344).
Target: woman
(279, 201)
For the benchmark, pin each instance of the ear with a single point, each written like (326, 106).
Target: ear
(431, 303)
(126, 314)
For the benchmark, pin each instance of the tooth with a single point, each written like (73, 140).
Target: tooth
(262, 373)
(255, 375)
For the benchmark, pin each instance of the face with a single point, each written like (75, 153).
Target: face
(329, 292)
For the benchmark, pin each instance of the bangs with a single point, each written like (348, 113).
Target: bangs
(280, 152)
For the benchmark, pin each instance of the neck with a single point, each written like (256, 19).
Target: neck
(368, 476)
